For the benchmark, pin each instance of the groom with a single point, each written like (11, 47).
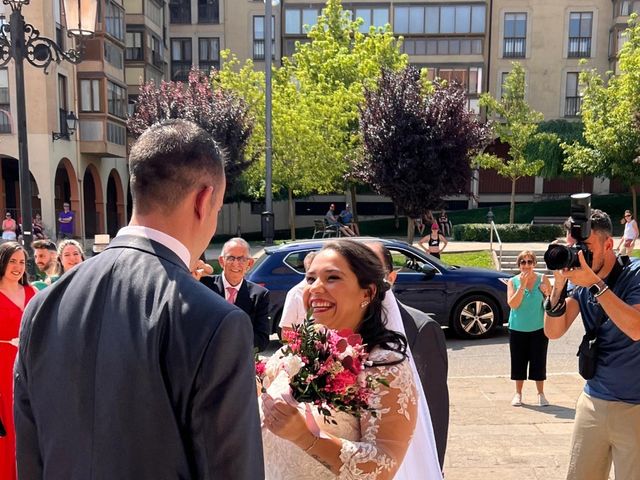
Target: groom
(129, 368)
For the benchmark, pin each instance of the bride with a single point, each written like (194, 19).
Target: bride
(346, 289)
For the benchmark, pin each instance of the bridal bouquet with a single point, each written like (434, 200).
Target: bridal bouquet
(325, 368)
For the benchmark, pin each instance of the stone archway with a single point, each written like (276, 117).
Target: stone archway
(65, 189)
(115, 203)
(10, 188)
(93, 202)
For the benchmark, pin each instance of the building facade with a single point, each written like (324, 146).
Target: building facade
(470, 41)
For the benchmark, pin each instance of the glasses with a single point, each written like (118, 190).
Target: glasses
(526, 262)
(231, 259)
(8, 215)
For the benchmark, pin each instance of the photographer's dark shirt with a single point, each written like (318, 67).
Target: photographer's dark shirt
(618, 370)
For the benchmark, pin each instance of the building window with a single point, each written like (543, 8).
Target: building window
(503, 80)
(573, 99)
(445, 46)
(135, 50)
(445, 19)
(580, 27)
(208, 11)
(298, 21)
(114, 21)
(515, 35)
(113, 55)
(180, 59)
(258, 37)
(208, 54)
(116, 100)
(58, 23)
(157, 51)
(89, 95)
(63, 104)
(180, 11)
(372, 17)
(627, 7)
(154, 12)
(5, 102)
(470, 78)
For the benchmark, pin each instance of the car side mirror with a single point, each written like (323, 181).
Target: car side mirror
(429, 271)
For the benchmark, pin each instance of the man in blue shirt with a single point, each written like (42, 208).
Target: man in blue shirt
(607, 419)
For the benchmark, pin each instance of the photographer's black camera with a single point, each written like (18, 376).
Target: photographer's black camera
(558, 257)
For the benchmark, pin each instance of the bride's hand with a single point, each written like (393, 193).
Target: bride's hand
(285, 421)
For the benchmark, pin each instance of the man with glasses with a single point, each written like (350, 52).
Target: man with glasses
(236, 261)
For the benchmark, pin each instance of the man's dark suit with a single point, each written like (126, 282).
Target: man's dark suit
(130, 369)
(254, 300)
(429, 350)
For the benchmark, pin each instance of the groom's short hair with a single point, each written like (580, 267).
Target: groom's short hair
(169, 160)
(385, 254)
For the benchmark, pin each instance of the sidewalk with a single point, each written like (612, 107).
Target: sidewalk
(490, 439)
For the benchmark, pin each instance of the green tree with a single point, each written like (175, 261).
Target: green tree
(302, 158)
(517, 126)
(316, 97)
(609, 112)
(336, 67)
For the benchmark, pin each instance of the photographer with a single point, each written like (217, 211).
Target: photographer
(607, 296)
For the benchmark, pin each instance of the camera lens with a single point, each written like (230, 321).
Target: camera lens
(558, 256)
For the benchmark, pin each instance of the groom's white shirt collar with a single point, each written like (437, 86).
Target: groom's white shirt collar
(173, 244)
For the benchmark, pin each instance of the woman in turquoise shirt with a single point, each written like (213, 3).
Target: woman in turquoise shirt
(527, 341)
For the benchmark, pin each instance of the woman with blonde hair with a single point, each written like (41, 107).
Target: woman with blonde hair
(527, 341)
(70, 254)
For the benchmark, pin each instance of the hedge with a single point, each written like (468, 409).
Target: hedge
(479, 232)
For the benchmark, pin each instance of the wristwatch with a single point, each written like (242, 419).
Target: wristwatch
(598, 289)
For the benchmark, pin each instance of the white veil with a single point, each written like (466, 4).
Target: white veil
(421, 459)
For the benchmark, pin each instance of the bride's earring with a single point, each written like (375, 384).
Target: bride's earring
(364, 304)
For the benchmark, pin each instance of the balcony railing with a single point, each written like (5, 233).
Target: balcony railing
(258, 49)
(579, 47)
(208, 14)
(572, 106)
(180, 12)
(180, 71)
(515, 47)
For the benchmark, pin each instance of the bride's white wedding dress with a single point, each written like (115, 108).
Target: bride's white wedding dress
(371, 445)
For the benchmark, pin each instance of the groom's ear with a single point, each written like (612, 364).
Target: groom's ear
(392, 277)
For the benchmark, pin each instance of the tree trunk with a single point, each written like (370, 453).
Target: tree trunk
(634, 200)
(410, 230)
(292, 215)
(238, 220)
(354, 202)
(512, 209)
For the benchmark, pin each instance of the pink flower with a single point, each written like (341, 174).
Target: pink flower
(261, 368)
(342, 381)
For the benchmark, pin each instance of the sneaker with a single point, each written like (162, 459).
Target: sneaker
(542, 400)
(517, 400)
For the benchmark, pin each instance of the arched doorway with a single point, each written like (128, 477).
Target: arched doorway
(66, 190)
(93, 202)
(115, 203)
(10, 188)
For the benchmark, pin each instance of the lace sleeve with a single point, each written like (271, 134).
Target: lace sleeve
(385, 437)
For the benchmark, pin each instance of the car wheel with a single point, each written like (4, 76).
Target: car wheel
(475, 317)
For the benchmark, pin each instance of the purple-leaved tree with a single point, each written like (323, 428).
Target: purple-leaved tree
(220, 112)
(418, 142)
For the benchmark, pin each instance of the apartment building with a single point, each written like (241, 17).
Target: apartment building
(136, 41)
(85, 167)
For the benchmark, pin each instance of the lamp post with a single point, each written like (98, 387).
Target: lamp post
(267, 215)
(20, 41)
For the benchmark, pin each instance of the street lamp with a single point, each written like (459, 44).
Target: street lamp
(71, 121)
(267, 216)
(20, 41)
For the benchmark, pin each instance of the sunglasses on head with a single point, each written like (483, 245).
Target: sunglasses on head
(526, 262)
(627, 214)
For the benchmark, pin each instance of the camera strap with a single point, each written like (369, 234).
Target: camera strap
(621, 262)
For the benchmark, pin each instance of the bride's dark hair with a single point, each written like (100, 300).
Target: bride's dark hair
(368, 270)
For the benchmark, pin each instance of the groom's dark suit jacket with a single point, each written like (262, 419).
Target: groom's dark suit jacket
(429, 350)
(130, 369)
(252, 299)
